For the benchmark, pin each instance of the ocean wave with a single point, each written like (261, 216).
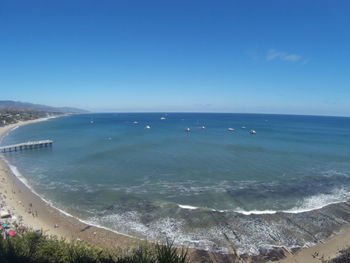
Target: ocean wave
(14, 128)
(255, 212)
(189, 207)
(321, 200)
(308, 204)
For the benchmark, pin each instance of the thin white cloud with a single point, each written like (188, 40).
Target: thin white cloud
(273, 54)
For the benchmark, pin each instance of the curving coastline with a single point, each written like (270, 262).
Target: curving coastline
(19, 196)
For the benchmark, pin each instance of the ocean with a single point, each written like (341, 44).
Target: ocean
(208, 187)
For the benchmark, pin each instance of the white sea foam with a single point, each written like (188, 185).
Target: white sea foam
(321, 200)
(308, 204)
(188, 207)
(14, 128)
(253, 234)
(158, 230)
(255, 212)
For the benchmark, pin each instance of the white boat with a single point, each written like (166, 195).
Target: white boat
(135, 122)
(162, 118)
(188, 129)
(252, 132)
(91, 121)
(243, 127)
(147, 127)
(203, 127)
(231, 129)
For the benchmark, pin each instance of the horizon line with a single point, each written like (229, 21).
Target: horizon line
(203, 112)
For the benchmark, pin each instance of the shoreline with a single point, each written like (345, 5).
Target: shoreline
(37, 213)
(40, 215)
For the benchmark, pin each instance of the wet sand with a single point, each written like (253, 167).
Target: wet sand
(38, 214)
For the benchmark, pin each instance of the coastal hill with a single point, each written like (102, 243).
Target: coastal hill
(9, 105)
(15, 111)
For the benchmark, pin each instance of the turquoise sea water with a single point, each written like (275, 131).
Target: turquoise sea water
(188, 186)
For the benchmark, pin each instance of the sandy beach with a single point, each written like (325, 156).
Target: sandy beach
(34, 212)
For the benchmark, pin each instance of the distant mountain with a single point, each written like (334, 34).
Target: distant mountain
(9, 105)
(72, 110)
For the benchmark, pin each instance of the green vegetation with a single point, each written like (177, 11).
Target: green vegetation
(14, 116)
(28, 247)
(15, 111)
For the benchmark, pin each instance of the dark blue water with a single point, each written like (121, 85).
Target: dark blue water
(164, 181)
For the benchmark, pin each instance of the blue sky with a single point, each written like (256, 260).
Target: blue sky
(179, 55)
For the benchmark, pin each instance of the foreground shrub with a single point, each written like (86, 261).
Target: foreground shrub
(35, 247)
(167, 254)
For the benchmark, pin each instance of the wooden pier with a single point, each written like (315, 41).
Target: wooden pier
(26, 146)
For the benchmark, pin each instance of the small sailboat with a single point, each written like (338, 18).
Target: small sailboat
(231, 129)
(252, 132)
(187, 129)
(162, 118)
(203, 127)
(147, 127)
(136, 122)
(243, 127)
